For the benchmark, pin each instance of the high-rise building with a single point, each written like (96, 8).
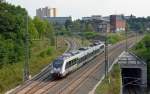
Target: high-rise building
(46, 12)
(54, 12)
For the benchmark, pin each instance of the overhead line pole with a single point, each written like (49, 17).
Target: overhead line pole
(106, 51)
(126, 33)
(56, 39)
(26, 63)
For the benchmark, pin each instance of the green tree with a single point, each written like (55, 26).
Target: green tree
(12, 31)
(50, 32)
(68, 25)
(32, 29)
(76, 26)
(40, 26)
(88, 28)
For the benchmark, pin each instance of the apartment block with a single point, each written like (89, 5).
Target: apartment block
(46, 12)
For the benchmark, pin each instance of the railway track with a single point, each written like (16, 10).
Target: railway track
(132, 90)
(73, 82)
(74, 85)
(73, 44)
(43, 76)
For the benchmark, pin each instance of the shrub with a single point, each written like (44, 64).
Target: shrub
(49, 51)
(42, 54)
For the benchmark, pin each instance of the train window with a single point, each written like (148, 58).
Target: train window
(102, 47)
(68, 64)
(80, 60)
(58, 63)
(74, 61)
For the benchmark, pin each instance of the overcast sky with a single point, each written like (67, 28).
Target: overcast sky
(80, 8)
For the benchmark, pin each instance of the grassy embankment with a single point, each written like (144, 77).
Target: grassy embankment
(82, 41)
(115, 37)
(142, 49)
(114, 86)
(41, 55)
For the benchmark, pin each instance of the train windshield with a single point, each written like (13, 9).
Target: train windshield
(58, 63)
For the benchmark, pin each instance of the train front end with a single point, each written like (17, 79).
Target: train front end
(56, 69)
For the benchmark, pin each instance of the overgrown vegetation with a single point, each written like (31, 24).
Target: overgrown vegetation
(115, 37)
(115, 81)
(142, 49)
(13, 32)
(13, 29)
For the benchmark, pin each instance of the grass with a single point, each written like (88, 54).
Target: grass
(82, 41)
(142, 49)
(11, 74)
(115, 37)
(114, 86)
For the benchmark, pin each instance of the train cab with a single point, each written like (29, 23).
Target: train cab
(56, 69)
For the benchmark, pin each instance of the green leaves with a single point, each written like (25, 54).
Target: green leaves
(32, 29)
(40, 26)
(12, 29)
(138, 24)
(142, 49)
(90, 35)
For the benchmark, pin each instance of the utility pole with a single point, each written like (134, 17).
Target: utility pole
(136, 36)
(126, 33)
(56, 39)
(26, 63)
(106, 50)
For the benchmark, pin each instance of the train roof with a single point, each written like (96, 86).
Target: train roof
(69, 54)
(73, 52)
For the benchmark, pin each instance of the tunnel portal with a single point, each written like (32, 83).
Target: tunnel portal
(131, 76)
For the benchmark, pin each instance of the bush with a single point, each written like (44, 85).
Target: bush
(90, 35)
(46, 52)
(142, 49)
(42, 54)
(49, 51)
(114, 38)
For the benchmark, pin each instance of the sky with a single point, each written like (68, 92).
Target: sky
(80, 8)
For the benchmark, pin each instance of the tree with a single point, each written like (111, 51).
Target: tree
(32, 29)
(50, 32)
(40, 26)
(76, 26)
(68, 25)
(12, 32)
(88, 28)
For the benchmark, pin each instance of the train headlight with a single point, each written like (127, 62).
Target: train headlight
(52, 71)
